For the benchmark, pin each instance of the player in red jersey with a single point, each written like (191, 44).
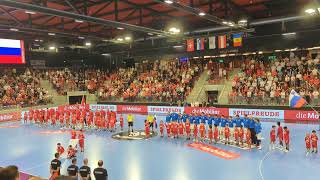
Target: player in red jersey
(273, 137)
(280, 134)
(307, 139)
(314, 142)
(241, 135)
(25, 117)
(227, 134)
(60, 149)
(71, 152)
(81, 141)
(236, 135)
(195, 130)
(61, 119)
(202, 130)
(168, 128)
(216, 133)
(176, 129)
(121, 122)
(53, 120)
(286, 137)
(73, 134)
(188, 129)
(74, 120)
(181, 129)
(161, 128)
(112, 122)
(248, 137)
(67, 119)
(210, 135)
(147, 128)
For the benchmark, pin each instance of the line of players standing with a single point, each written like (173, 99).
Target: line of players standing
(214, 128)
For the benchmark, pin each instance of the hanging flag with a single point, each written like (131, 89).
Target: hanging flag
(237, 40)
(190, 45)
(222, 42)
(295, 100)
(200, 44)
(212, 42)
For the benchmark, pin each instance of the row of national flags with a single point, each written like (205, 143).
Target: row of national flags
(214, 42)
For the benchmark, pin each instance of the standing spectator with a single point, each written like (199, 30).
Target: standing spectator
(55, 166)
(73, 169)
(100, 173)
(85, 170)
(9, 173)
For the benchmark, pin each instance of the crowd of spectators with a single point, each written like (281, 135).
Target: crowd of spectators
(261, 82)
(21, 88)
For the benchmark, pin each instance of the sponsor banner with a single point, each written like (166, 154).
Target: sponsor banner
(132, 109)
(13, 116)
(258, 113)
(164, 109)
(301, 116)
(214, 151)
(98, 107)
(207, 110)
(73, 107)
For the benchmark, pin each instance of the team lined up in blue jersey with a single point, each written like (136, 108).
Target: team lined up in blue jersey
(221, 121)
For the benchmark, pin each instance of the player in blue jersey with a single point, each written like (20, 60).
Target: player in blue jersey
(198, 118)
(231, 125)
(174, 116)
(210, 121)
(184, 117)
(168, 118)
(223, 122)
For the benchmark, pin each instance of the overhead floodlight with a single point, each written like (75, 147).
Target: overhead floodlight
(168, 1)
(289, 34)
(231, 25)
(30, 12)
(80, 37)
(174, 30)
(277, 50)
(310, 11)
(260, 52)
(202, 13)
(106, 54)
(51, 34)
(88, 43)
(150, 34)
(78, 21)
(127, 38)
(224, 22)
(52, 47)
(178, 46)
(120, 39)
(14, 29)
(120, 28)
(243, 21)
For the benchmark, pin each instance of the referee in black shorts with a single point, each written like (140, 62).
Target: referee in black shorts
(85, 170)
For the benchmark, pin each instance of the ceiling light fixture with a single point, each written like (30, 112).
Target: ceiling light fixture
(80, 37)
(52, 47)
(30, 12)
(127, 38)
(51, 34)
(120, 39)
(78, 21)
(202, 13)
(310, 11)
(224, 22)
(289, 34)
(88, 43)
(120, 28)
(243, 21)
(168, 1)
(14, 29)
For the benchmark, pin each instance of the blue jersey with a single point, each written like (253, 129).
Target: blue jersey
(223, 122)
(237, 122)
(198, 119)
(210, 120)
(191, 119)
(252, 124)
(203, 119)
(230, 123)
(246, 122)
(258, 128)
(174, 116)
(185, 117)
(216, 121)
(168, 118)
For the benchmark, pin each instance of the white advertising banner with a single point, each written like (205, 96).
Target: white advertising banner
(258, 113)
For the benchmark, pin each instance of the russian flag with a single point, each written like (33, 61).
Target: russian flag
(12, 51)
(295, 100)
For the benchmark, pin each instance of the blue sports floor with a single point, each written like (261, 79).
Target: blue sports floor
(160, 158)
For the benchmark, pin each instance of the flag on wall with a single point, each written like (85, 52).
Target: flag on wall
(237, 40)
(212, 42)
(222, 42)
(295, 100)
(190, 45)
(200, 44)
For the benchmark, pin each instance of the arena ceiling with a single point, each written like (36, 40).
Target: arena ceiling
(75, 20)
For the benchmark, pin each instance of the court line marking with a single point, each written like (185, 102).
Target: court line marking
(261, 163)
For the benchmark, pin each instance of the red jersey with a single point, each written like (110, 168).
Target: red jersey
(161, 127)
(248, 137)
(121, 121)
(25, 116)
(216, 133)
(280, 133)
(314, 140)
(181, 128)
(236, 133)
(195, 130)
(307, 139)
(188, 130)
(73, 134)
(202, 130)
(241, 134)
(81, 139)
(210, 134)
(227, 132)
(286, 136)
(60, 150)
(273, 135)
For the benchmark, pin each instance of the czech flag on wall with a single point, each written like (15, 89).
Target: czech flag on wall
(12, 51)
(190, 45)
(237, 40)
(295, 100)
(222, 42)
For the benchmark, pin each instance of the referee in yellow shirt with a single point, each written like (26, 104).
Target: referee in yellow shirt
(150, 119)
(130, 120)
